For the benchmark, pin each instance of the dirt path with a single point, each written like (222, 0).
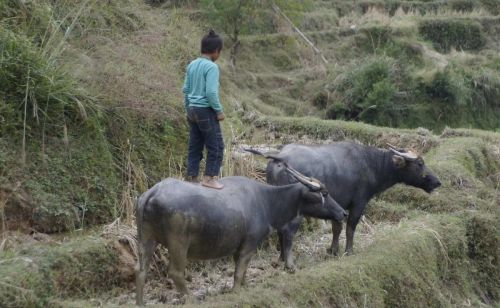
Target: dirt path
(206, 279)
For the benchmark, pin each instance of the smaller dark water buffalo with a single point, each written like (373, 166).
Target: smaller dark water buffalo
(195, 222)
(353, 174)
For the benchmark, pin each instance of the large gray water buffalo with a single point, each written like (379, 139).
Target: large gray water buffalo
(195, 222)
(352, 173)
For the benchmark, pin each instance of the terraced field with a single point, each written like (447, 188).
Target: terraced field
(91, 116)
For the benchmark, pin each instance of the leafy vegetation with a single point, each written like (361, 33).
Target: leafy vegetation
(367, 91)
(391, 275)
(383, 91)
(236, 17)
(458, 34)
(35, 91)
(72, 142)
(81, 267)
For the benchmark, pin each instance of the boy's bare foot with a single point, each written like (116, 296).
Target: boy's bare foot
(211, 181)
(220, 117)
(192, 179)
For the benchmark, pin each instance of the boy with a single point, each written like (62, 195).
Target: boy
(204, 111)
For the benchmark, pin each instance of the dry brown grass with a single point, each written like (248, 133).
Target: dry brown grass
(136, 180)
(137, 71)
(206, 279)
(241, 163)
(448, 12)
(3, 203)
(124, 238)
(401, 18)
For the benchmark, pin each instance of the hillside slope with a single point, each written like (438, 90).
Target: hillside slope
(107, 76)
(91, 115)
(400, 64)
(444, 245)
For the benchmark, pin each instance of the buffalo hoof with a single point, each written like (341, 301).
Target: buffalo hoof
(226, 289)
(180, 300)
(331, 251)
(276, 262)
(291, 269)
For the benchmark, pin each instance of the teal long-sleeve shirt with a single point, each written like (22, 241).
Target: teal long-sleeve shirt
(201, 86)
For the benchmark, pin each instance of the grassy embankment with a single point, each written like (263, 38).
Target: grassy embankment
(429, 64)
(90, 109)
(94, 87)
(447, 243)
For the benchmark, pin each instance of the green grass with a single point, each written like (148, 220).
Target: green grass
(336, 130)
(424, 262)
(37, 93)
(76, 138)
(458, 34)
(50, 194)
(82, 267)
(466, 165)
(443, 245)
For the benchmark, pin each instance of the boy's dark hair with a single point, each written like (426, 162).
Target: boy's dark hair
(211, 42)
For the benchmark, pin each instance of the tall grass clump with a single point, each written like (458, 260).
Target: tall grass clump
(51, 123)
(72, 18)
(384, 91)
(82, 267)
(493, 6)
(453, 33)
(484, 250)
(463, 96)
(32, 18)
(367, 91)
(85, 17)
(35, 90)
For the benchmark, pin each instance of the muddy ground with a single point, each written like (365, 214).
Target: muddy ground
(209, 278)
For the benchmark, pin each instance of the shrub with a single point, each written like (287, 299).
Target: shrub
(462, 5)
(375, 37)
(483, 250)
(449, 87)
(34, 86)
(366, 92)
(320, 100)
(384, 91)
(459, 96)
(448, 33)
(493, 6)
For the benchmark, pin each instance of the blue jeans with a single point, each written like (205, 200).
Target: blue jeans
(204, 132)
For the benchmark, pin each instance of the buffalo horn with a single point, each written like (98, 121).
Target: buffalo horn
(266, 155)
(409, 155)
(309, 182)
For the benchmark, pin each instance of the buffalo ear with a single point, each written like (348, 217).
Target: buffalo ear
(399, 161)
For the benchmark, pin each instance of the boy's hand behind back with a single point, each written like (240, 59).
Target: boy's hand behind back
(220, 116)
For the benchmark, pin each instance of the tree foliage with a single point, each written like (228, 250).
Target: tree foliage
(236, 17)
